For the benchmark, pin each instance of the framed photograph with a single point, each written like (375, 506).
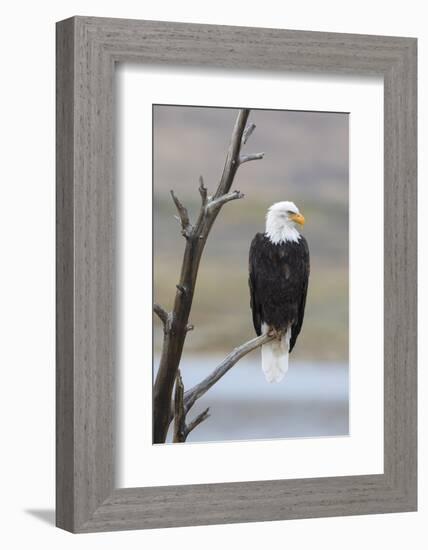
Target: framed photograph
(236, 274)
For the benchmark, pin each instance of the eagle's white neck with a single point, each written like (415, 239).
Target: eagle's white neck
(279, 230)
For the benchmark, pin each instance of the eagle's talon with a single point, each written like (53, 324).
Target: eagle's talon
(275, 333)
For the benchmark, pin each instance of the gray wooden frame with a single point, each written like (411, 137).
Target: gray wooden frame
(87, 50)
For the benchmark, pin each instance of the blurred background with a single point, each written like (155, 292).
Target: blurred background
(306, 161)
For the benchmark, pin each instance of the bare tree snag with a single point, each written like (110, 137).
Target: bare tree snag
(176, 323)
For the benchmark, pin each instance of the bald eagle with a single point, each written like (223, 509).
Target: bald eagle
(278, 280)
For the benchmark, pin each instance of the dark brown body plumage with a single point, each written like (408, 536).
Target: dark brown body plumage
(278, 279)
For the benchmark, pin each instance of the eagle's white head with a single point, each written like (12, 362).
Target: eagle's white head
(281, 220)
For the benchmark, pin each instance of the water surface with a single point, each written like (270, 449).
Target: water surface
(311, 400)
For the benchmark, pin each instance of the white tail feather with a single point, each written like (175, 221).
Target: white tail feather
(275, 357)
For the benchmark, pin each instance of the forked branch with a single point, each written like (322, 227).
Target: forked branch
(181, 429)
(228, 362)
(184, 401)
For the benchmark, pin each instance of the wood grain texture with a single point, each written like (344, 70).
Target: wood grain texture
(87, 49)
(64, 277)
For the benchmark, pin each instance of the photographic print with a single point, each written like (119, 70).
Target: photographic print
(250, 273)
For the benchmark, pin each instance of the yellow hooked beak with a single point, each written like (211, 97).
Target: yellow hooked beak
(298, 218)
